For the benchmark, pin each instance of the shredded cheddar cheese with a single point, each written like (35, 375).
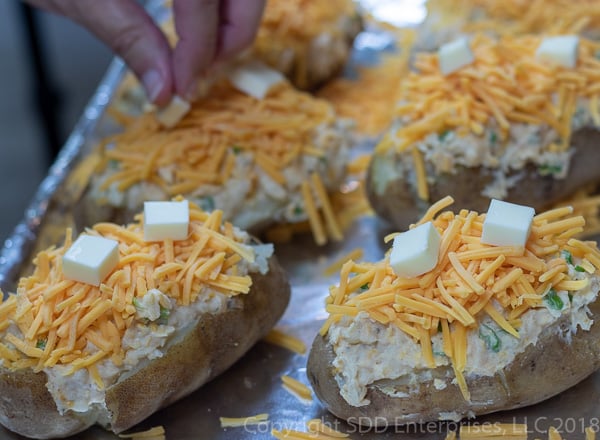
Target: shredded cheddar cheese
(318, 426)
(235, 422)
(505, 85)
(468, 280)
(59, 322)
(291, 434)
(515, 431)
(278, 337)
(514, 17)
(275, 135)
(156, 433)
(296, 388)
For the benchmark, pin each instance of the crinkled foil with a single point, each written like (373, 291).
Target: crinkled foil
(253, 385)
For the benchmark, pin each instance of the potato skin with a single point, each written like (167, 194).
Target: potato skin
(538, 373)
(400, 205)
(203, 352)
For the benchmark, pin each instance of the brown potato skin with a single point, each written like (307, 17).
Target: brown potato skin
(538, 373)
(203, 352)
(400, 205)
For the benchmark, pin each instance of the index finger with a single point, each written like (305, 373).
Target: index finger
(196, 24)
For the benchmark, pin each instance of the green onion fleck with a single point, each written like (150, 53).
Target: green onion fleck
(364, 286)
(298, 210)
(443, 135)
(553, 300)
(207, 203)
(41, 344)
(164, 315)
(570, 297)
(236, 149)
(578, 268)
(567, 256)
(491, 339)
(493, 138)
(546, 170)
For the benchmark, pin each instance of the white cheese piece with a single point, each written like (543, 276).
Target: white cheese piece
(415, 252)
(166, 220)
(255, 79)
(559, 51)
(90, 259)
(454, 55)
(173, 112)
(507, 224)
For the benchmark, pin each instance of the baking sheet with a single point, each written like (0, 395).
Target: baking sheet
(253, 385)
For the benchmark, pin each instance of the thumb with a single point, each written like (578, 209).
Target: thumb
(130, 32)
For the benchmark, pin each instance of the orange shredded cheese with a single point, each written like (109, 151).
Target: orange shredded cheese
(57, 319)
(513, 17)
(318, 426)
(234, 422)
(296, 388)
(278, 337)
(515, 431)
(156, 433)
(470, 276)
(354, 254)
(278, 132)
(497, 90)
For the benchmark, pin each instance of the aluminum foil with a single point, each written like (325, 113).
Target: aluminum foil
(253, 385)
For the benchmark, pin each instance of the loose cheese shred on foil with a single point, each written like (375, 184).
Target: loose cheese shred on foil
(58, 318)
(468, 276)
(285, 340)
(296, 388)
(235, 422)
(156, 433)
(319, 426)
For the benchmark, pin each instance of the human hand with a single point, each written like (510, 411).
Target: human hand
(208, 30)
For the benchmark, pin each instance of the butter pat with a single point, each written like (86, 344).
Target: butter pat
(90, 259)
(166, 220)
(173, 112)
(559, 51)
(454, 55)
(415, 252)
(255, 79)
(507, 224)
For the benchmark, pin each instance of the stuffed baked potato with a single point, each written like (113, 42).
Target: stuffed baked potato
(488, 329)
(170, 317)
(507, 126)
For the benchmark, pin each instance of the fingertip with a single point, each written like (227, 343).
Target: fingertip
(158, 88)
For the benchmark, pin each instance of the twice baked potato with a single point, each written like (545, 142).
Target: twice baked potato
(447, 19)
(507, 126)
(309, 42)
(259, 161)
(489, 328)
(170, 317)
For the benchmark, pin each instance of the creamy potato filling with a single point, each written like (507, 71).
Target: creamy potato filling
(250, 197)
(367, 351)
(446, 152)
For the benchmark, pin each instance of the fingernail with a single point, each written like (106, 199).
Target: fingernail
(153, 83)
